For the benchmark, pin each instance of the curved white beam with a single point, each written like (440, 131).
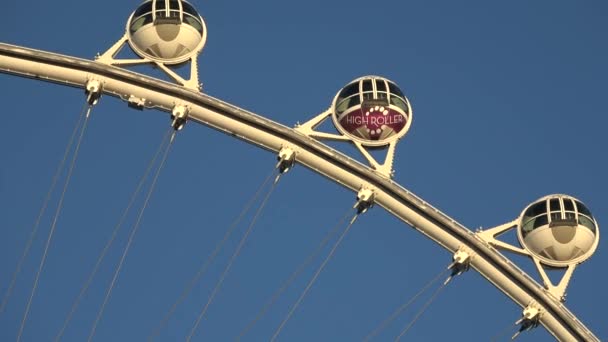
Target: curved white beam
(270, 135)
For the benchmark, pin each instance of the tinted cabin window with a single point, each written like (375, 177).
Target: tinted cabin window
(348, 103)
(534, 223)
(350, 90)
(348, 98)
(587, 222)
(555, 208)
(174, 9)
(397, 101)
(585, 218)
(568, 206)
(395, 90)
(582, 209)
(527, 228)
(569, 209)
(174, 5)
(554, 204)
(540, 221)
(143, 9)
(159, 9)
(194, 23)
(380, 85)
(191, 17)
(537, 209)
(368, 90)
(532, 220)
(141, 21)
(397, 98)
(368, 96)
(189, 9)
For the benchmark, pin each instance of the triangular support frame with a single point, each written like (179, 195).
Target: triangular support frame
(557, 290)
(109, 58)
(385, 168)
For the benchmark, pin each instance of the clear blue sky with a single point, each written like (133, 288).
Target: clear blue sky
(509, 105)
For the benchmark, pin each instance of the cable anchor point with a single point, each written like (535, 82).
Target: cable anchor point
(530, 319)
(93, 90)
(365, 200)
(460, 264)
(179, 117)
(286, 159)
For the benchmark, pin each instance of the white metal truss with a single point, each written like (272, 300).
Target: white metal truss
(109, 58)
(385, 168)
(262, 132)
(559, 290)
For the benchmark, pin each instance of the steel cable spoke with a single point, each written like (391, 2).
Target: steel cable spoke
(232, 259)
(266, 133)
(109, 243)
(43, 208)
(131, 237)
(314, 278)
(400, 309)
(502, 333)
(54, 224)
(421, 311)
(209, 259)
(293, 276)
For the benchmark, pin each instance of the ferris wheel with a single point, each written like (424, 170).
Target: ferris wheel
(371, 114)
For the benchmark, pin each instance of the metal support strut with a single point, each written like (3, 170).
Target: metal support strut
(179, 116)
(365, 200)
(530, 319)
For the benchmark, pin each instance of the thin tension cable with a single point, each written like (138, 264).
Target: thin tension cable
(117, 228)
(314, 278)
(43, 208)
(502, 333)
(209, 260)
(131, 237)
(399, 310)
(54, 224)
(421, 311)
(293, 277)
(232, 259)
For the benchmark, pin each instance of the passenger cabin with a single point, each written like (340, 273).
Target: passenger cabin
(555, 211)
(370, 91)
(167, 31)
(559, 229)
(165, 12)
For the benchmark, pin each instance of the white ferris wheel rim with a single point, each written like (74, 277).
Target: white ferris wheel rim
(153, 93)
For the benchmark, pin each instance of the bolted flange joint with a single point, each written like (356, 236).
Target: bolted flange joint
(179, 116)
(93, 90)
(365, 200)
(286, 159)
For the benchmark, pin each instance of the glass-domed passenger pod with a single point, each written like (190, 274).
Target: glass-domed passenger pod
(167, 31)
(559, 230)
(372, 110)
